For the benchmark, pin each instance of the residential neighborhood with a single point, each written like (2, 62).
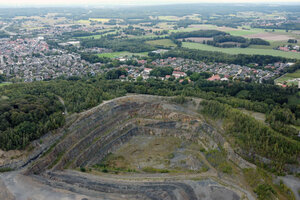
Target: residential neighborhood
(31, 59)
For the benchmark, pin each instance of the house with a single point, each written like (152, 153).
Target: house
(178, 74)
(122, 76)
(142, 62)
(214, 78)
(167, 76)
(147, 70)
(282, 85)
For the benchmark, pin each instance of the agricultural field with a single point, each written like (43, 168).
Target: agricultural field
(248, 32)
(289, 78)
(85, 22)
(249, 51)
(96, 36)
(162, 42)
(197, 39)
(122, 54)
(169, 18)
(176, 18)
(103, 20)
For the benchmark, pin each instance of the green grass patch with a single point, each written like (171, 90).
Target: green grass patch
(103, 20)
(162, 43)
(248, 51)
(122, 54)
(96, 36)
(5, 169)
(217, 158)
(169, 18)
(5, 83)
(83, 22)
(113, 164)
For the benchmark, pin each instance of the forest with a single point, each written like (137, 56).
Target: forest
(199, 33)
(208, 56)
(131, 45)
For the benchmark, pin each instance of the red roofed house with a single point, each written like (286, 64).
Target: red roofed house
(177, 74)
(147, 70)
(214, 78)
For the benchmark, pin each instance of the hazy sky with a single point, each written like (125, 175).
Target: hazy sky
(127, 2)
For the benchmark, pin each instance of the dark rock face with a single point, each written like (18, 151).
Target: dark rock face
(107, 127)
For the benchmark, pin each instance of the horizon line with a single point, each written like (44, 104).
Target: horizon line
(25, 5)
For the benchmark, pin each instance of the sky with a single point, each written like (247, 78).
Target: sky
(126, 2)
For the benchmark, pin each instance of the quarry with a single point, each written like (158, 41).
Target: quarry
(133, 147)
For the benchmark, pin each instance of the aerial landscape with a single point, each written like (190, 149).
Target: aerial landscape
(136, 100)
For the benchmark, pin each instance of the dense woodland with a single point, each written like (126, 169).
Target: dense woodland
(199, 33)
(26, 114)
(131, 45)
(208, 56)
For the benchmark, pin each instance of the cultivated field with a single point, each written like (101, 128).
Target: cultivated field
(122, 54)
(249, 51)
(270, 36)
(162, 42)
(198, 39)
(96, 36)
(103, 20)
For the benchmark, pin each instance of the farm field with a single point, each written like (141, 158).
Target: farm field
(197, 39)
(103, 20)
(288, 78)
(267, 34)
(96, 36)
(82, 21)
(176, 18)
(169, 18)
(122, 54)
(162, 42)
(147, 36)
(249, 51)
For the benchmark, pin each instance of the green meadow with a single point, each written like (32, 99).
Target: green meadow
(249, 51)
(162, 42)
(5, 83)
(122, 54)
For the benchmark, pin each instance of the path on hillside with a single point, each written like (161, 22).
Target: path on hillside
(63, 103)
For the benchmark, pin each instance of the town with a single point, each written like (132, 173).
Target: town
(30, 59)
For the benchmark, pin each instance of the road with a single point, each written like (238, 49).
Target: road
(6, 31)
